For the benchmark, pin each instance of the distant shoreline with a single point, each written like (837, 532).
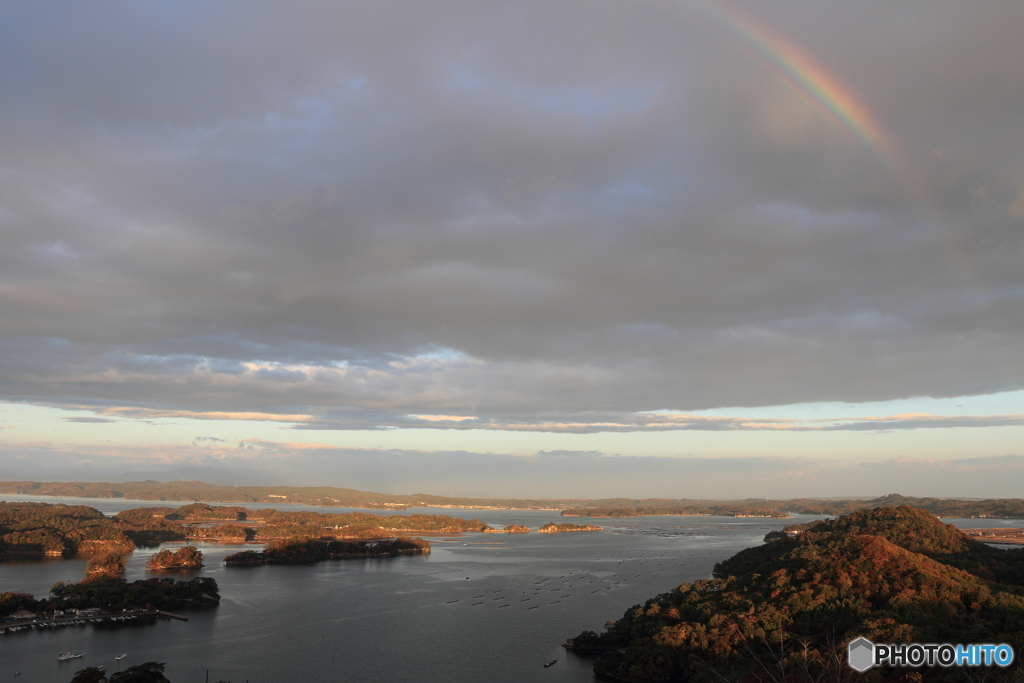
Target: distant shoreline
(332, 498)
(1001, 536)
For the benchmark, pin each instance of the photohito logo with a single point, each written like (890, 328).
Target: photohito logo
(862, 654)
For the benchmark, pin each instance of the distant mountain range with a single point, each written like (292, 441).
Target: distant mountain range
(329, 496)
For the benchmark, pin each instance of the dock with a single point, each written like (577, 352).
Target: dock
(81, 620)
(170, 615)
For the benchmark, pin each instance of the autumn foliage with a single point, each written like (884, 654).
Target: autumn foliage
(784, 611)
(188, 557)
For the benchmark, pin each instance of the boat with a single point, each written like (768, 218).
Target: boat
(67, 655)
(550, 663)
(121, 656)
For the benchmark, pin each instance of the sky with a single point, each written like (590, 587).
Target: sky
(673, 248)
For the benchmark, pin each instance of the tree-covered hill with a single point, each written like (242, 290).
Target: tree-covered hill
(40, 528)
(784, 611)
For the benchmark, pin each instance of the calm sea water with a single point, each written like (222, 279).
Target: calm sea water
(479, 608)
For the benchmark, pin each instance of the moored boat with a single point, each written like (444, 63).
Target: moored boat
(550, 663)
(67, 655)
(121, 656)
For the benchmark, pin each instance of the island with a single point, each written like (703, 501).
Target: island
(188, 557)
(552, 528)
(786, 610)
(298, 551)
(60, 530)
(510, 529)
(107, 564)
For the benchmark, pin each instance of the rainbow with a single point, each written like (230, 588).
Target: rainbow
(812, 80)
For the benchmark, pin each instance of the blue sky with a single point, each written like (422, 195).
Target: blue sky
(701, 249)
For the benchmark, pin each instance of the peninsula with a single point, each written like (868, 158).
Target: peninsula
(785, 610)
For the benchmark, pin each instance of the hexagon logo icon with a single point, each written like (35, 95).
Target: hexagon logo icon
(861, 654)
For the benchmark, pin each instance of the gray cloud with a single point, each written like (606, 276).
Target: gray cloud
(521, 214)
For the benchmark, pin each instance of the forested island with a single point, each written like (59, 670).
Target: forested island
(784, 611)
(188, 557)
(59, 530)
(297, 551)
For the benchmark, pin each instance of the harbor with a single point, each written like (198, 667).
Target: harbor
(88, 617)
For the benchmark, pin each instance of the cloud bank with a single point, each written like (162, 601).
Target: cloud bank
(538, 216)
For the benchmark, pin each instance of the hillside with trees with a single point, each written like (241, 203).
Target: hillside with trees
(70, 530)
(784, 611)
(323, 496)
(114, 594)
(67, 530)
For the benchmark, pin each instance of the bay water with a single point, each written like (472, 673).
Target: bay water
(479, 608)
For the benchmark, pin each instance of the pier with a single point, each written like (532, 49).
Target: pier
(83, 619)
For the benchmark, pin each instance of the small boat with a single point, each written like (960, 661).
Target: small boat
(121, 656)
(67, 655)
(550, 663)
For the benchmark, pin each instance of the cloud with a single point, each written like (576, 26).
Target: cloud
(918, 421)
(374, 416)
(557, 217)
(569, 454)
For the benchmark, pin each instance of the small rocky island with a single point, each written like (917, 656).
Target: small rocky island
(188, 557)
(552, 528)
(510, 529)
